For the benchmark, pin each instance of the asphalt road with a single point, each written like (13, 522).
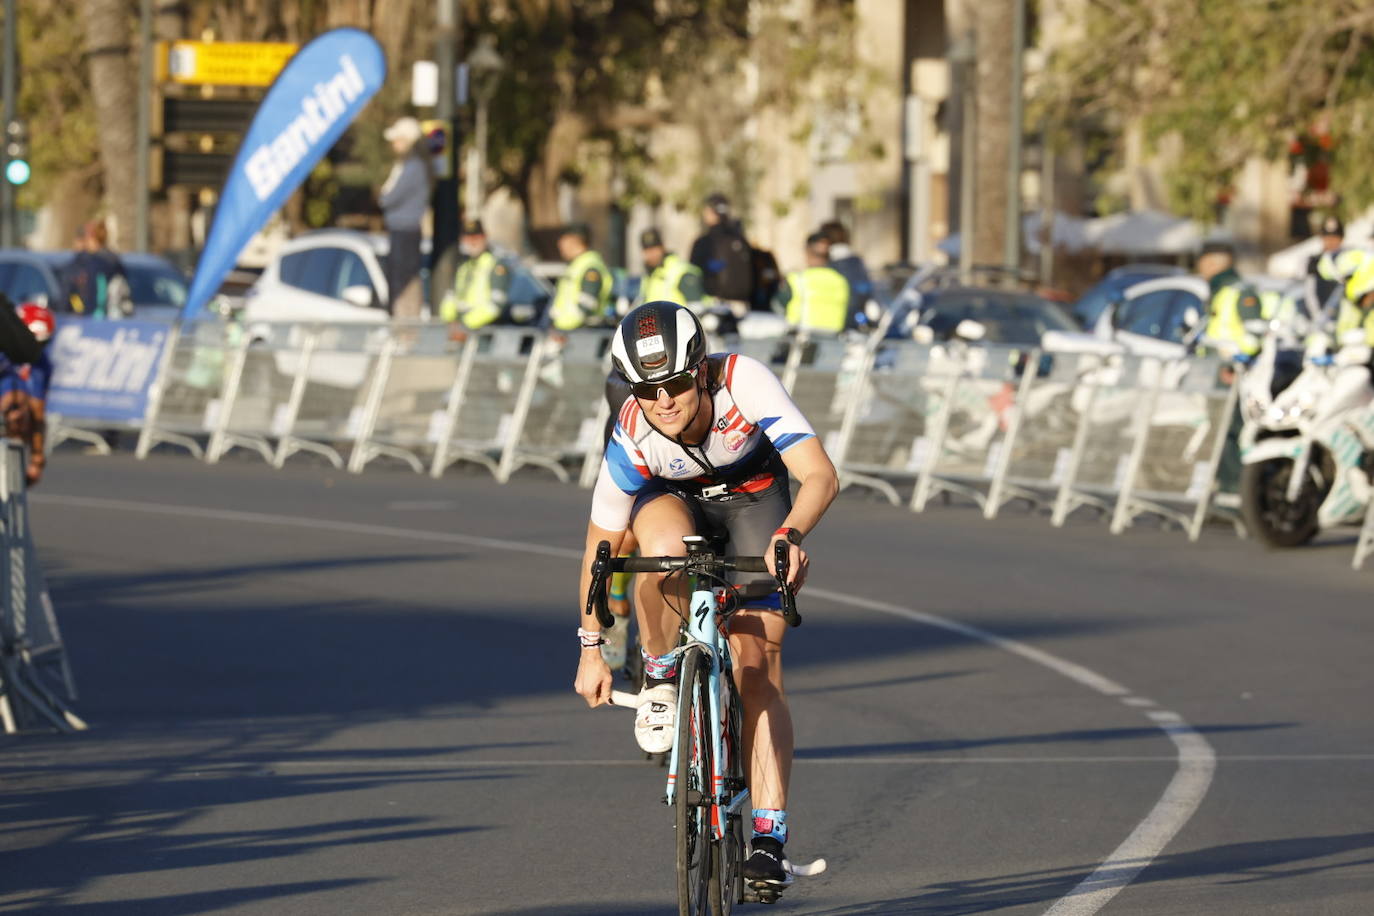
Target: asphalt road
(312, 693)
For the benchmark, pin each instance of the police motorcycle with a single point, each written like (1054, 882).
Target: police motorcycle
(1306, 443)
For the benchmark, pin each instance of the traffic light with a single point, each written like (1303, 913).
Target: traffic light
(17, 169)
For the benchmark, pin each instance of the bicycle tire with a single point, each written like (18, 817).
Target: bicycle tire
(727, 858)
(692, 823)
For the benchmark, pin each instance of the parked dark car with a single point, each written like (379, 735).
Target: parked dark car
(157, 288)
(1111, 289)
(1008, 317)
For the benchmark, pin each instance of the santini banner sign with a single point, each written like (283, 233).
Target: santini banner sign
(312, 102)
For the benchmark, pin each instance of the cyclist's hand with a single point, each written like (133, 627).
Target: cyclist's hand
(593, 682)
(797, 562)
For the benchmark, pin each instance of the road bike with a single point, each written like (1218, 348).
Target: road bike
(706, 786)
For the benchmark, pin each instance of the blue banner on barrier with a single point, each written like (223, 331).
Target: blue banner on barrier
(314, 99)
(103, 370)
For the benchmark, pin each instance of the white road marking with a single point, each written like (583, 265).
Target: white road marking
(1196, 760)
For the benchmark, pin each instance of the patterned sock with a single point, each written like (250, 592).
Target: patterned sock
(659, 668)
(771, 822)
(620, 583)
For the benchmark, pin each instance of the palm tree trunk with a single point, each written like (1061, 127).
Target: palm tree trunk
(113, 89)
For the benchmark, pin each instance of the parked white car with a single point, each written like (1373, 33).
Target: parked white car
(332, 276)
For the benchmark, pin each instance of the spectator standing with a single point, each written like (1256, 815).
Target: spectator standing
(583, 296)
(851, 266)
(404, 198)
(1233, 301)
(816, 299)
(668, 277)
(724, 256)
(95, 281)
(1321, 280)
(481, 285)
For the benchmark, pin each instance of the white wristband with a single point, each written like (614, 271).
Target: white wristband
(590, 639)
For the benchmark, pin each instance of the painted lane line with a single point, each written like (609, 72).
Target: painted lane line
(1196, 759)
(1138, 702)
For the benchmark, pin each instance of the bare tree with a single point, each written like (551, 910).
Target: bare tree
(113, 82)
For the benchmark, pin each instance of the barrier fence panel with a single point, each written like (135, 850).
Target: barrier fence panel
(185, 404)
(33, 666)
(894, 412)
(1174, 467)
(978, 409)
(481, 417)
(561, 422)
(257, 390)
(103, 374)
(1039, 455)
(827, 376)
(407, 410)
(331, 373)
(1114, 404)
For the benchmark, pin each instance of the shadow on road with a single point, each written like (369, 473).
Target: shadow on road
(1236, 863)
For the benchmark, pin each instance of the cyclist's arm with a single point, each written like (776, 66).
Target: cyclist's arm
(808, 462)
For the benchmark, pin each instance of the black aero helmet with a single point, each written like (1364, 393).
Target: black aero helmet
(656, 340)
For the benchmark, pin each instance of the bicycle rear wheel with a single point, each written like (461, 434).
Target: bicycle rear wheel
(727, 858)
(692, 791)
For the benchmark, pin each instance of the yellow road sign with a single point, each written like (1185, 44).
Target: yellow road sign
(223, 63)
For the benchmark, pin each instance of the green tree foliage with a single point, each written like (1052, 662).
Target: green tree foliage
(54, 97)
(608, 72)
(1229, 80)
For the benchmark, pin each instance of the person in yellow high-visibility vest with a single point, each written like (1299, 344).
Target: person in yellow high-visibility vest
(815, 299)
(1357, 308)
(669, 278)
(1233, 301)
(583, 296)
(481, 285)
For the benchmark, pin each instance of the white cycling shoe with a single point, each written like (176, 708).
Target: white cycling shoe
(655, 718)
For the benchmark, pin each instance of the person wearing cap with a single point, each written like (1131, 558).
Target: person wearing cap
(1322, 269)
(669, 278)
(724, 256)
(583, 296)
(844, 259)
(816, 299)
(481, 285)
(1233, 301)
(404, 198)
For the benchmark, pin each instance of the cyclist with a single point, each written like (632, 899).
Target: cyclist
(705, 446)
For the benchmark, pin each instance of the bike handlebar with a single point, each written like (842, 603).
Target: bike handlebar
(604, 564)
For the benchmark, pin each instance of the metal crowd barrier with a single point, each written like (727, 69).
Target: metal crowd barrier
(1128, 436)
(36, 682)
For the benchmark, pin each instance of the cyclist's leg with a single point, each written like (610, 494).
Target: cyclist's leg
(756, 636)
(756, 647)
(659, 524)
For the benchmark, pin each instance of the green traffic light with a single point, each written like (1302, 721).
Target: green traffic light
(17, 172)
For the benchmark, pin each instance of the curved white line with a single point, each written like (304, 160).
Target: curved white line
(1196, 758)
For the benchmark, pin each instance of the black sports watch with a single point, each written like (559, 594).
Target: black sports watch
(792, 534)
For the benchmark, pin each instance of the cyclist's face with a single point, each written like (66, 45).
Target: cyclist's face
(672, 415)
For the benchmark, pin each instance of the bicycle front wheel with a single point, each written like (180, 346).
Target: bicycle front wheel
(691, 794)
(727, 881)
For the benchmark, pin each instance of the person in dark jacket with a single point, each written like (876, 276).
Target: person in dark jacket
(843, 259)
(724, 256)
(95, 281)
(404, 199)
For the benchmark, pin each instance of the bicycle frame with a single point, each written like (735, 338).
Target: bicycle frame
(704, 633)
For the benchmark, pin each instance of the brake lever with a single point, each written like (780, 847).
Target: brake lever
(596, 599)
(789, 600)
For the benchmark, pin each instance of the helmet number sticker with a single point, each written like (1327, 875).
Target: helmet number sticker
(648, 345)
